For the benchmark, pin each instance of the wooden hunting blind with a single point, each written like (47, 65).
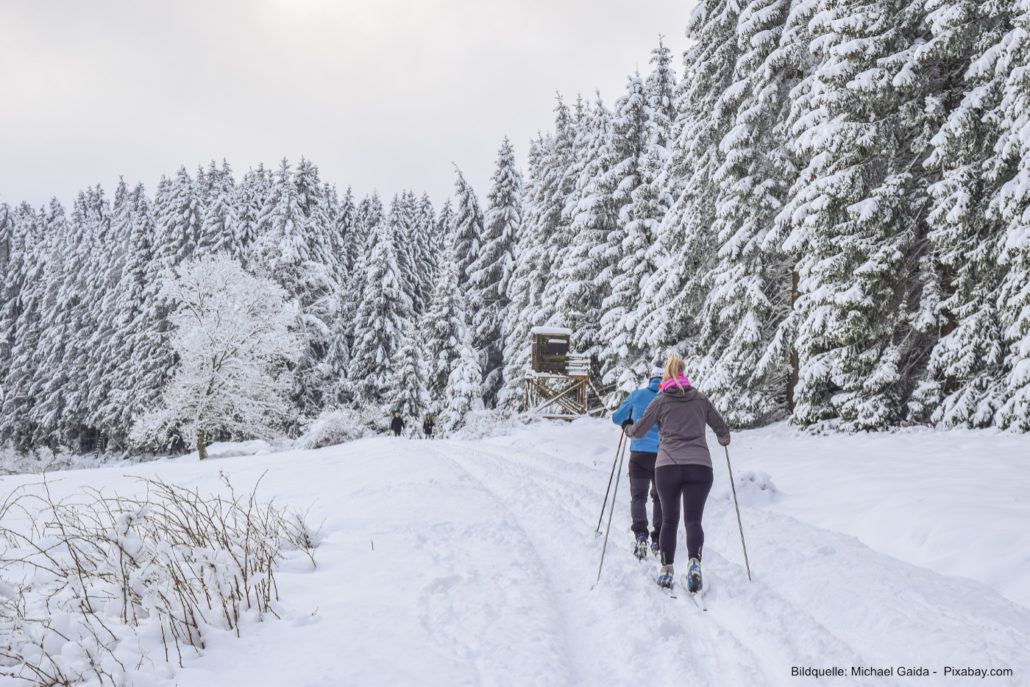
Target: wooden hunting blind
(550, 348)
(558, 384)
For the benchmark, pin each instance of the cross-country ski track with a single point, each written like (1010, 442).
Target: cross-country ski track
(473, 562)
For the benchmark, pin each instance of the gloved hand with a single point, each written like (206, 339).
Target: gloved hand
(724, 441)
(627, 423)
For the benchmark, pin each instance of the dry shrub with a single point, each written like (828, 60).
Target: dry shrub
(92, 582)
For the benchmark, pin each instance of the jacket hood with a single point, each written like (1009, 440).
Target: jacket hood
(688, 394)
(678, 382)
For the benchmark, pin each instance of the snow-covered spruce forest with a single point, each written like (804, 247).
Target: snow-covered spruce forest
(825, 210)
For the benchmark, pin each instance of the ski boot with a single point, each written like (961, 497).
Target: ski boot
(640, 549)
(694, 576)
(665, 576)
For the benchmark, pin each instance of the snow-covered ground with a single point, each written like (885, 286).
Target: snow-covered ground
(472, 562)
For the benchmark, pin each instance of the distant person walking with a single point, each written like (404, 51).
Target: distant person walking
(397, 425)
(642, 457)
(427, 426)
(684, 466)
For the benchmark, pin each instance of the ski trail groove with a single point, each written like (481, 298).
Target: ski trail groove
(500, 617)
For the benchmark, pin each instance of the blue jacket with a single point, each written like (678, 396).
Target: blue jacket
(634, 406)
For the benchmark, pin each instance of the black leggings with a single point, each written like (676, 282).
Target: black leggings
(691, 483)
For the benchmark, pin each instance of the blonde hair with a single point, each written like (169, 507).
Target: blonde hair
(674, 367)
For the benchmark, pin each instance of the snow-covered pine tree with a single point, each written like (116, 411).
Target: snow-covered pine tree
(346, 232)
(112, 242)
(441, 326)
(23, 289)
(592, 214)
(50, 386)
(251, 193)
(963, 384)
(293, 249)
(426, 247)
(405, 388)
(544, 237)
(402, 221)
(234, 336)
(141, 327)
(444, 230)
(855, 213)
(463, 393)
(490, 272)
(640, 251)
(218, 231)
(384, 314)
(738, 365)
(340, 214)
(84, 279)
(524, 288)
(179, 208)
(6, 227)
(1012, 206)
(468, 226)
(546, 214)
(623, 261)
(671, 299)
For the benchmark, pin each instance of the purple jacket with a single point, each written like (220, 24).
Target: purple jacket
(681, 415)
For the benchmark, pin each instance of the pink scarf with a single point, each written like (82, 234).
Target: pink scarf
(680, 381)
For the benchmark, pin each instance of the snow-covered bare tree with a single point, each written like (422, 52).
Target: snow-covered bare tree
(235, 335)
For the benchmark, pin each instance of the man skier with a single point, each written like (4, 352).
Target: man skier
(397, 424)
(643, 453)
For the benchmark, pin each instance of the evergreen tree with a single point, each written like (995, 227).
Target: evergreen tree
(293, 249)
(468, 227)
(22, 297)
(405, 389)
(142, 326)
(490, 272)
(593, 218)
(441, 326)
(738, 365)
(383, 317)
(855, 217)
(1012, 206)
(51, 386)
(251, 193)
(218, 221)
(464, 385)
(963, 384)
(671, 299)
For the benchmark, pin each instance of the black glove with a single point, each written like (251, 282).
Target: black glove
(627, 423)
(724, 441)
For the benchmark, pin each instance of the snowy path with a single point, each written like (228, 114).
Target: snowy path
(472, 563)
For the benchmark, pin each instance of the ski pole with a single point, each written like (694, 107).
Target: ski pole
(597, 530)
(610, 512)
(739, 524)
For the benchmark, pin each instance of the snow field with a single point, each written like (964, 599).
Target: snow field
(458, 562)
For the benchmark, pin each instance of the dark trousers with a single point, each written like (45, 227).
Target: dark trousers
(691, 483)
(641, 479)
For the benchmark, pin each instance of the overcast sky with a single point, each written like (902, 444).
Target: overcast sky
(380, 94)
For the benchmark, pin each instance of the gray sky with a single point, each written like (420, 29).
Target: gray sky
(380, 94)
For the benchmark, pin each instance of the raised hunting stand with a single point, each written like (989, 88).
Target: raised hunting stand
(558, 386)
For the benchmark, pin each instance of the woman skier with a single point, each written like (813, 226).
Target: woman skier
(642, 456)
(684, 466)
